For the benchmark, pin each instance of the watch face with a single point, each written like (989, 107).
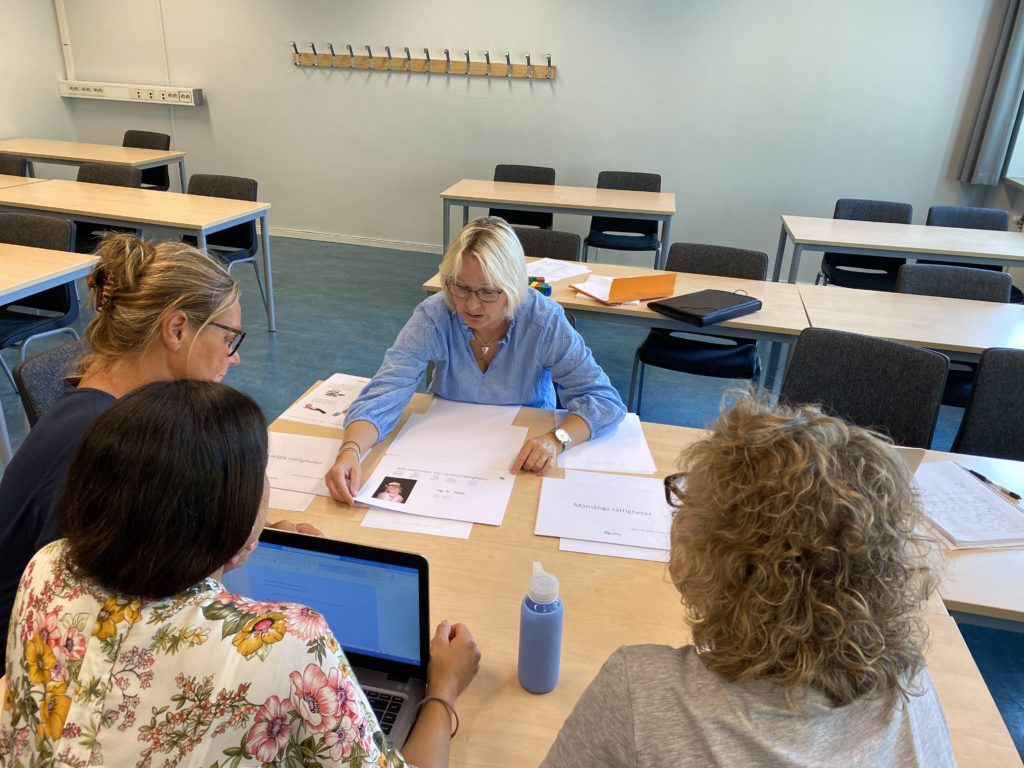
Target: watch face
(562, 436)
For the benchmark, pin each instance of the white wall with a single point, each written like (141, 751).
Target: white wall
(748, 109)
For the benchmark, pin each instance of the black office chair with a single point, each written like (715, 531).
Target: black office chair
(40, 378)
(849, 270)
(237, 244)
(525, 174)
(957, 282)
(875, 383)
(13, 165)
(152, 178)
(87, 234)
(722, 357)
(548, 244)
(993, 424)
(50, 311)
(625, 234)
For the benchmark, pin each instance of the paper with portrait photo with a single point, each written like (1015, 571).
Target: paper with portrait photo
(624, 449)
(328, 403)
(299, 462)
(402, 521)
(474, 494)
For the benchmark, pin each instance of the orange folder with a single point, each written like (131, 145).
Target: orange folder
(615, 290)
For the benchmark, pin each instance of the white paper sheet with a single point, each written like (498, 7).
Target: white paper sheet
(460, 414)
(965, 510)
(624, 449)
(596, 286)
(293, 501)
(433, 488)
(299, 462)
(613, 550)
(402, 521)
(473, 439)
(634, 303)
(630, 512)
(328, 403)
(553, 270)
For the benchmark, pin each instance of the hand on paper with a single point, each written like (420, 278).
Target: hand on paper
(454, 660)
(539, 454)
(287, 525)
(343, 478)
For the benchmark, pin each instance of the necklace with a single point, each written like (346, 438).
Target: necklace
(485, 348)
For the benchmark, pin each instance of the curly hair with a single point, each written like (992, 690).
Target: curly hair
(795, 554)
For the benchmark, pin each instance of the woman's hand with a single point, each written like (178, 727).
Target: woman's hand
(343, 477)
(454, 660)
(288, 525)
(539, 454)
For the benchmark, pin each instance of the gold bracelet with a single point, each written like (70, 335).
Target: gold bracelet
(351, 445)
(452, 714)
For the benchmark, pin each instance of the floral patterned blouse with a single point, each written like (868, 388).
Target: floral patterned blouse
(202, 678)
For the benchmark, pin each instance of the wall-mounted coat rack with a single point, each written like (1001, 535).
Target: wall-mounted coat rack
(460, 65)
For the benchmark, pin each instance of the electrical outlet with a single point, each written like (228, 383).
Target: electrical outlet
(176, 95)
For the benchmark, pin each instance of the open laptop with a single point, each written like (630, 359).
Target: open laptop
(375, 602)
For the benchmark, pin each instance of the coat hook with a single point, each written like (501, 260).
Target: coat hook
(316, 59)
(369, 54)
(351, 56)
(426, 52)
(529, 69)
(387, 52)
(447, 62)
(408, 60)
(467, 62)
(508, 65)
(334, 63)
(296, 49)
(547, 73)
(487, 58)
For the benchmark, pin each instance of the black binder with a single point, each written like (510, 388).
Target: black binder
(706, 307)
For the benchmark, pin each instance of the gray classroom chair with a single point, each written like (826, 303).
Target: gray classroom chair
(40, 379)
(875, 383)
(152, 178)
(851, 270)
(993, 423)
(625, 234)
(87, 234)
(525, 174)
(548, 244)
(13, 165)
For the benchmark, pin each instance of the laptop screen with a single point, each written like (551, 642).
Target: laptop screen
(372, 606)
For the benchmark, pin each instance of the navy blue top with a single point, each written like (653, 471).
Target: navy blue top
(33, 484)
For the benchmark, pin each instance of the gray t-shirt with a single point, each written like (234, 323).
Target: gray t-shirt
(652, 705)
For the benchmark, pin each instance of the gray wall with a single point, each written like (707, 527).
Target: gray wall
(748, 109)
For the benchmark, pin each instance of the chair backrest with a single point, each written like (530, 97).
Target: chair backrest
(43, 232)
(627, 180)
(525, 174)
(993, 422)
(13, 165)
(954, 282)
(884, 211)
(875, 383)
(238, 238)
(40, 379)
(968, 217)
(107, 173)
(151, 177)
(548, 244)
(721, 260)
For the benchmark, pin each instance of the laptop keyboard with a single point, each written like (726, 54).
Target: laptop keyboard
(385, 706)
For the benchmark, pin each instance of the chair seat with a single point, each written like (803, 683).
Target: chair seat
(959, 384)
(703, 358)
(16, 326)
(229, 256)
(597, 239)
(852, 278)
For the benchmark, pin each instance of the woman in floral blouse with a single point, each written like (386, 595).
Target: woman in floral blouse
(123, 653)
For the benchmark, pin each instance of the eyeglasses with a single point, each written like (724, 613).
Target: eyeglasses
(236, 340)
(461, 291)
(674, 489)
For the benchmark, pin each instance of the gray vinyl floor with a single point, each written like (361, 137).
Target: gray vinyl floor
(339, 307)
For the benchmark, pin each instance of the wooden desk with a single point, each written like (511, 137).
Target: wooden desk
(582, 201)
(870, 238)
(25, 271)
(125, 206)
(76, 153)
(609, 602)
(963, 329)
(15, 181)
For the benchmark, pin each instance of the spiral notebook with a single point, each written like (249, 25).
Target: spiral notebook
(966, 510)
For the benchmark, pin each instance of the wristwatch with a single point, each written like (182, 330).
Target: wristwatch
(562, 437)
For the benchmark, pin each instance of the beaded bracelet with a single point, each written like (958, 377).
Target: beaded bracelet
(452, 714)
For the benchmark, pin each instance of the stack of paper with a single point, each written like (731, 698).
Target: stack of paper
(965, 510)
(329, 402)
(553, 270)
(624, 449)
(614, 515)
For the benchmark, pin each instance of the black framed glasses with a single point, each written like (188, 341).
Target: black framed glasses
(674, 489)
(486, 295)
(236, 340)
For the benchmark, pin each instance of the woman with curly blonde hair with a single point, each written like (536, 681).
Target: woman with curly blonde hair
(793, 548)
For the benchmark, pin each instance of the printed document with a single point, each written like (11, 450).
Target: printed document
(402, 521)
(553, 270)
(299, 462)
(624, 449)
(328, 403)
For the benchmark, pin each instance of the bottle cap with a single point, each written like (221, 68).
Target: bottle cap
(543, 586)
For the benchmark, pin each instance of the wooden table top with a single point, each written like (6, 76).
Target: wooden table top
(23, 268)
(79, 152)
(7, 180)
(129, 205)
(909, 238)
(609, 602)
(558, 197)
(782, 310)
(956, 325)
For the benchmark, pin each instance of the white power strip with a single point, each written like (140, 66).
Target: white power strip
(149, 94)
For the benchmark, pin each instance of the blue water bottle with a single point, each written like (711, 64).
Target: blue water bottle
(540, 633)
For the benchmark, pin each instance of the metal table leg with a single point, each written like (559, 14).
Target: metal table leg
(268, 277)
(780, 254)
(794, 263)
(446, 227)
(666, 242)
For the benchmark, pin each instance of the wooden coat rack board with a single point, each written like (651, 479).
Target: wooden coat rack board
(404, 62)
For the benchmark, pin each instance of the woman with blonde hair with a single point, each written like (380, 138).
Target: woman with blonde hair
(491, 339)
(164, 311)
(793, 548)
